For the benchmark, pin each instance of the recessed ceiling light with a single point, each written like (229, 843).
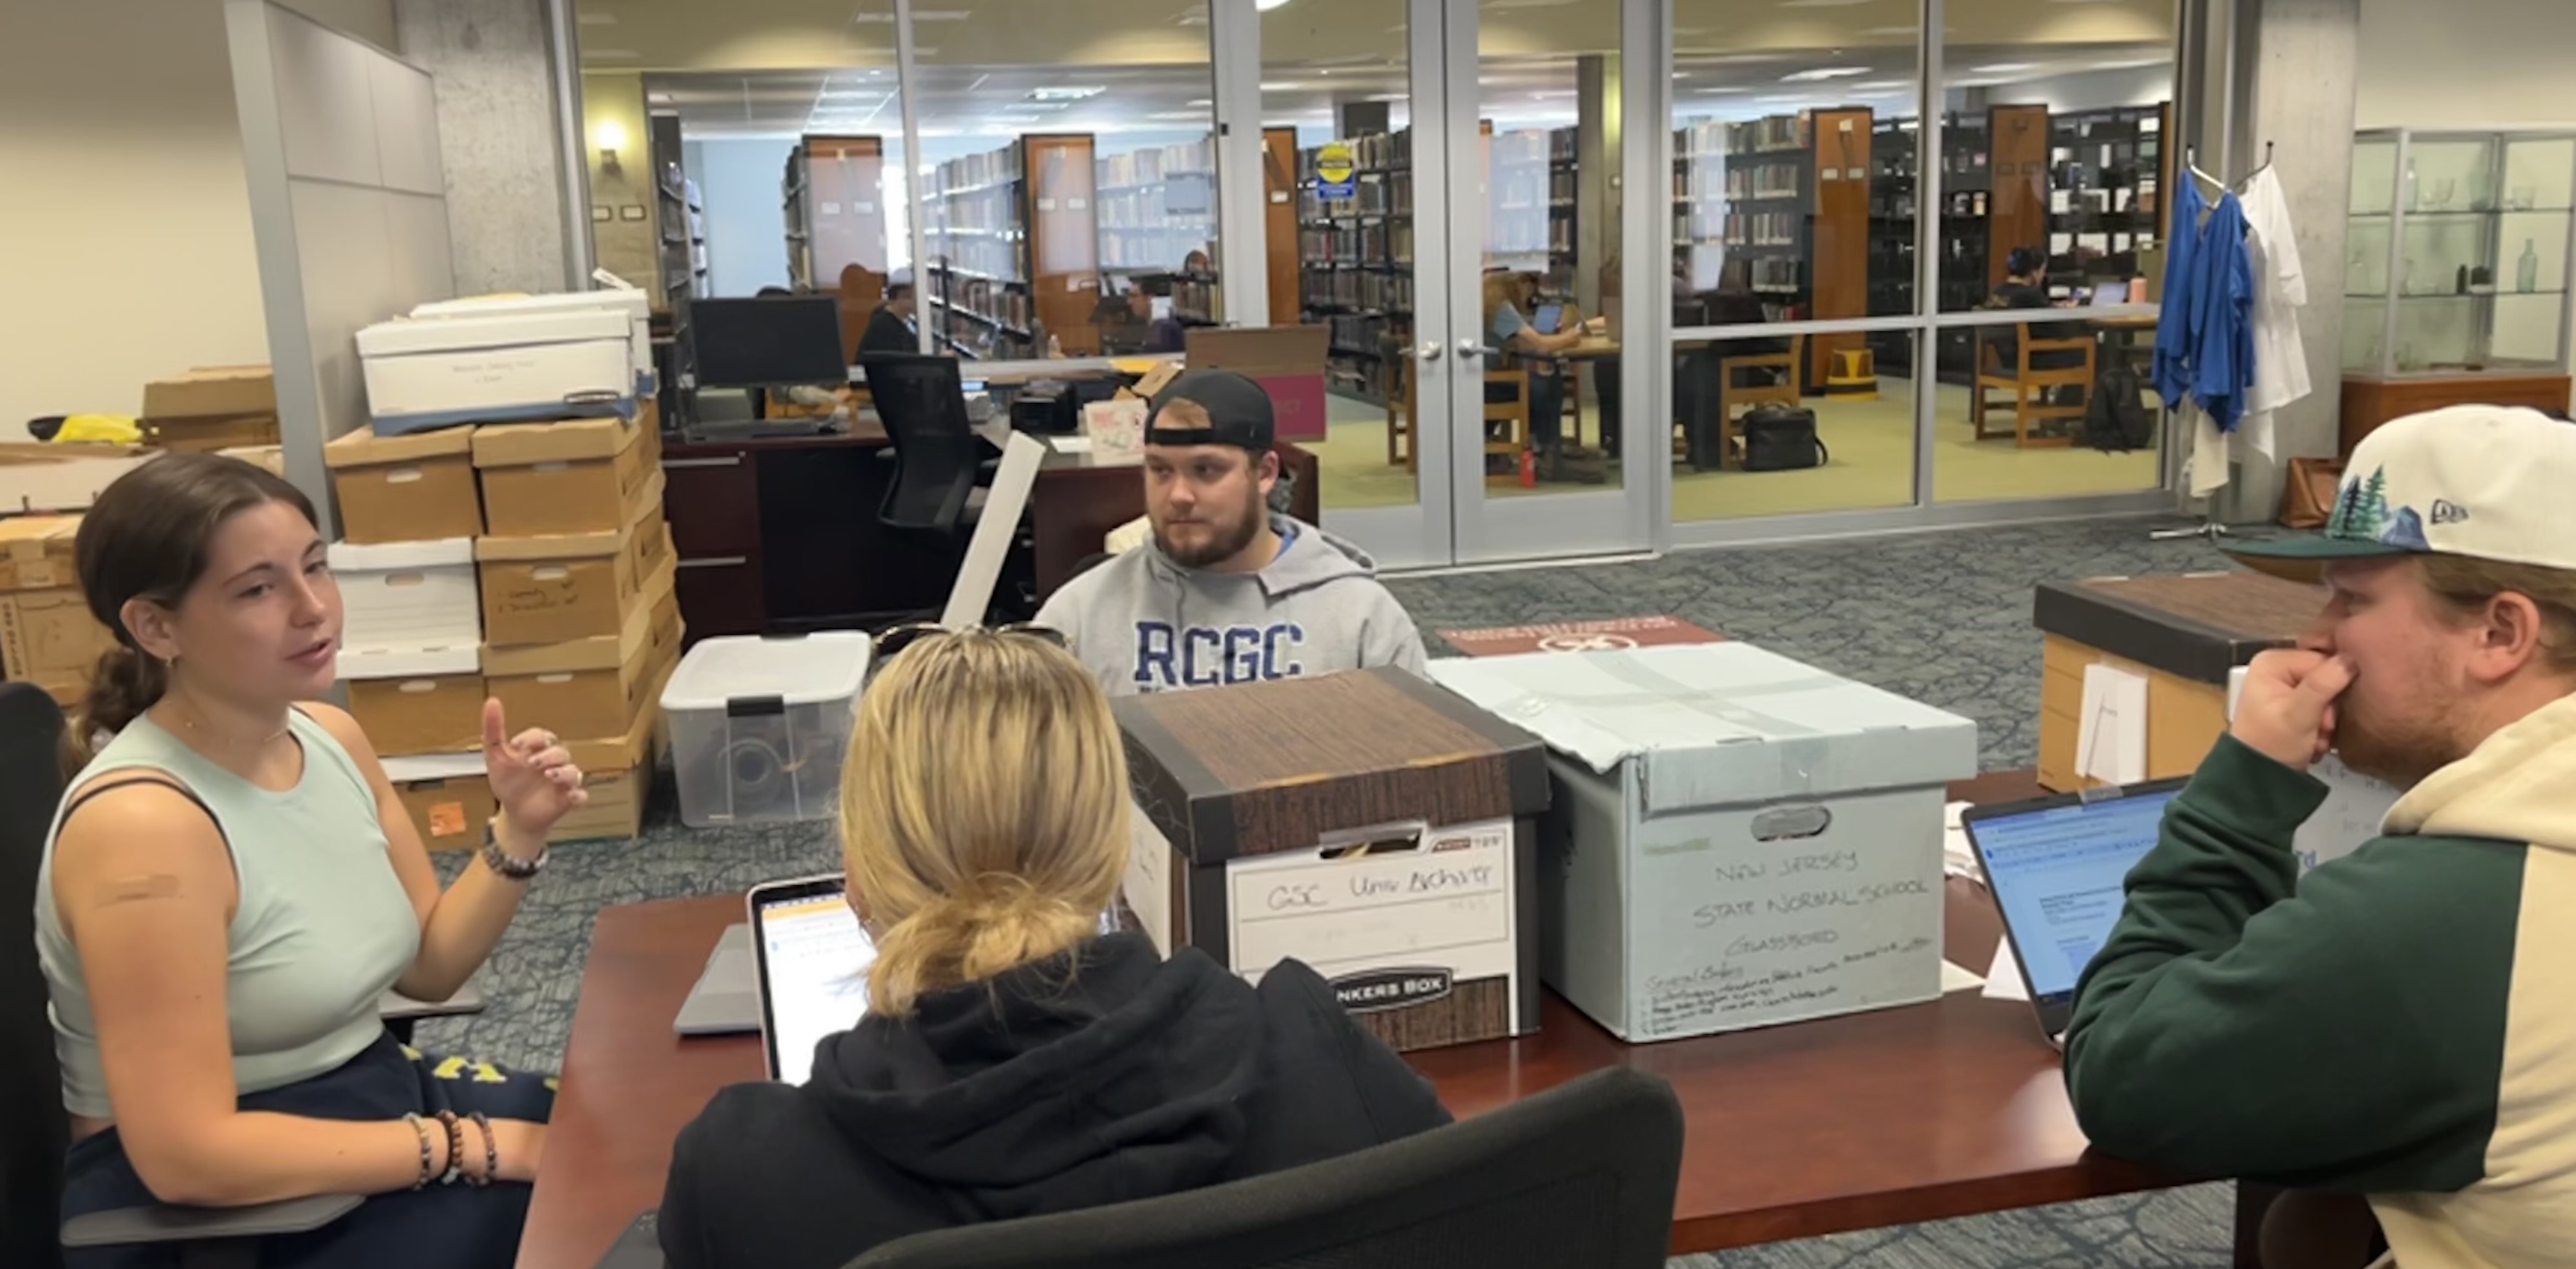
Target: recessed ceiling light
(2003, 68)
(1781, 100)
(1281, 86)
(1198, 101)
(1177, 114)
(1822, 73)
(1388, 97)
(1710, 92)
(2135, 64)
(1553, 92)
(1073, 92)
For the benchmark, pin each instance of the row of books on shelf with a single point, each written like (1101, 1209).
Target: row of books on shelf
(1147, 208)
(1369, 242)
(992, 210)
(1739, 229)
(993, 167)
(1368, 198)
(986, 343)
(1765, 180)
(1150, 250)
(1362, 335)
(984, 302)
(991, 259)
(1142, 167)
(1356, 292)
(1376, 151)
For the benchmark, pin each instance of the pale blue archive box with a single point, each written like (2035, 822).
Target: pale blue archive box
(1736, 839)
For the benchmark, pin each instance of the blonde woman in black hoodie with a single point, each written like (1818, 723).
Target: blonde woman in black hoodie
(1014, 1062)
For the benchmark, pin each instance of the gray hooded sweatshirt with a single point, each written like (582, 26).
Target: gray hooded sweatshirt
(1144, 623)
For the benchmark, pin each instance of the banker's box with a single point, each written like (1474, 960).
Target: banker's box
(1368, 824)
(405, 488)
(447, 796)
(211, 408)
(1736, 839)
(571, 476)
(1287, 361)
(559, 587)
(435, 372)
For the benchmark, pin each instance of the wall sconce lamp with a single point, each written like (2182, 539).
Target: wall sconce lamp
(610, 135)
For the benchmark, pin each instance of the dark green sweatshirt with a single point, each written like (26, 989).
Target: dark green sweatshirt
(2401, 1024)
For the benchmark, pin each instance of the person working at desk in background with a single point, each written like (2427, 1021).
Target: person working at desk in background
(1513, 342)
(2026, 286)
(1013, 1061)
(1228, 591)
(2401, 1022)
(232, 883)
(890, 329)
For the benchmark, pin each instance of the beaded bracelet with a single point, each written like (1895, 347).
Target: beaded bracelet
(491, 1151)
(455, 1146)
(426, 1166)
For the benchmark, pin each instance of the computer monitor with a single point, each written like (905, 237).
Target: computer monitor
(778, 342)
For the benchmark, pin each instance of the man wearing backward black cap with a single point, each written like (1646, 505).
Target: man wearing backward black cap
(1228, 592)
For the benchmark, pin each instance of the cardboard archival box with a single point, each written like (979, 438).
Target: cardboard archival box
(1736, 839)
(560, 587)
(447, 796)
(2181, 634)
(572, 476)
(618, 772)
(62, 477)
(271, 458)
(36, 552)
(503, 367)
(48, 638)
(1368, 824)
(596, 686)
(404, 596)
(211, 408)
(425, 701)
(1287, 361)
(415, 488)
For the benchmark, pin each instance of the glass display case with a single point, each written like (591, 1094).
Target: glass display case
(2459, 249)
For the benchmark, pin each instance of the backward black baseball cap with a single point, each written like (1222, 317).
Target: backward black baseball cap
(1238, 412)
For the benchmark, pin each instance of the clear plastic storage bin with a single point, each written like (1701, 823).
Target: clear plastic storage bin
(759, 726)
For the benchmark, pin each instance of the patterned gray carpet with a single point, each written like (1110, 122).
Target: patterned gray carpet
(1943, 618)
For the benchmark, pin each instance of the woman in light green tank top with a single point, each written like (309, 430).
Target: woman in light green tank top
(231, 884)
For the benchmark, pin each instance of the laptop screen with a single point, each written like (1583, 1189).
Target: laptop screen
(2056, 873)
(814, 962)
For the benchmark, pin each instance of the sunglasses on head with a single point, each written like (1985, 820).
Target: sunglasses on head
(892, 643)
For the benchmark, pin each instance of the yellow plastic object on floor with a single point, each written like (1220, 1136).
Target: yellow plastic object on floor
(112, 429)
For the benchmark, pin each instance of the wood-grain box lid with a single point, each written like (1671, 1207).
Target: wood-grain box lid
(2198, 626)
(1233, 771)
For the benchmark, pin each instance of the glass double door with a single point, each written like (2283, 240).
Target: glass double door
(1459, 216)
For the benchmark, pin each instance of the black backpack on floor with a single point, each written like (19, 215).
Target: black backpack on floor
(1781, 438)
(2117, 420)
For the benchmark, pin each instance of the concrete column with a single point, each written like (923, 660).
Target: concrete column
(1596, 181)
(2297, 74)
(500, 142)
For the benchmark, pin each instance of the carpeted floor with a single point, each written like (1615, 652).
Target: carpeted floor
(1943, 618)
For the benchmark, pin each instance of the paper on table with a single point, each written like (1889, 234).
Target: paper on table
(1958, 858)
(1070, 444)
(2111, 733)
(2003, 977)
(1956, 977)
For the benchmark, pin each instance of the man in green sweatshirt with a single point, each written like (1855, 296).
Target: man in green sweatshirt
(2402, 1023)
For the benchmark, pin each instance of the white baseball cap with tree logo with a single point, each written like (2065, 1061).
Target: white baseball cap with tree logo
(2486, 481)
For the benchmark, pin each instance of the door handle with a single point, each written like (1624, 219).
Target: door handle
(1431, 350)
(1470, 348)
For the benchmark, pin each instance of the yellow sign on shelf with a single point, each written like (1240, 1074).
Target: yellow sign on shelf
(1336, 171)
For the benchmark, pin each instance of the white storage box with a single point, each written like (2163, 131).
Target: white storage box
(407, 596)
(424, 373)
(632, 305)
(758, 726)
(1735, 840)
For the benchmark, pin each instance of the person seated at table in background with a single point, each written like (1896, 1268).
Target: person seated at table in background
(2399, 1023)
(1229, 591)
(890, 329)
(2026, 286)
(1517, 344)
(230, 885)
(1012, 1060)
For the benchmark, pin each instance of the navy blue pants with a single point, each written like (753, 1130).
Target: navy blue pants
(443, 1227)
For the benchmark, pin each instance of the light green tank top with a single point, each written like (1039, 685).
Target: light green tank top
(322, 929)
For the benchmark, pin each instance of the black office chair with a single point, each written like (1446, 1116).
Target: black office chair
(922, 402)
(32, 1127)
(1579, 1175)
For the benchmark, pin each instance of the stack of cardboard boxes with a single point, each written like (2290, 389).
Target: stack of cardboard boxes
(47, 635)
(211, 408)
(529, 562)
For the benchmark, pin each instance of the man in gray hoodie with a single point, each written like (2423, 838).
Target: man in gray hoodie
(1227, 592)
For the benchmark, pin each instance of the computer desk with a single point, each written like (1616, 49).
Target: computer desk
(779, 535)
(1890, 1117)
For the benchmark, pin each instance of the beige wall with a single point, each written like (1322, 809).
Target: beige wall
(129, 228)
(2466, 63)
(627, 248)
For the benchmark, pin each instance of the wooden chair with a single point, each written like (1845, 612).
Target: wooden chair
(1399, 405)
(1514, 415)
(2030, 387)
(1734, 399)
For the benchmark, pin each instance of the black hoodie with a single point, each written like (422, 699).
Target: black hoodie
(1027, 1095)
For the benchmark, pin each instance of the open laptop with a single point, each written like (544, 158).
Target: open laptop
(813, 963)
(2056, 866)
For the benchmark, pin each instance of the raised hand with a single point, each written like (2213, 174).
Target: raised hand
(532, 775)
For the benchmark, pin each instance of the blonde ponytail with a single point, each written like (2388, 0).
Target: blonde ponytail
(983, 811)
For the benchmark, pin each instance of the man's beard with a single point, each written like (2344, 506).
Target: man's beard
(2401, 754)
(1223, 546)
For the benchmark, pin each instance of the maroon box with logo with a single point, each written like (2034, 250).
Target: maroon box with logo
(1370, 824)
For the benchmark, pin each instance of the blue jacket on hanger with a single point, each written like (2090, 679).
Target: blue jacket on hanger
(2205, 335)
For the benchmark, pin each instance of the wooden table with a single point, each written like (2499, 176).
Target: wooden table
(1900, 1115)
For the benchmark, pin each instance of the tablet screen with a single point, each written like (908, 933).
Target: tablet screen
(1547, 319)
(813, 972)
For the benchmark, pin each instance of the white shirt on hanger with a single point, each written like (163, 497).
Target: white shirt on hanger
(2280, 291)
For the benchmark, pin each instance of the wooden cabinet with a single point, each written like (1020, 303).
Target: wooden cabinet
(2370, 400)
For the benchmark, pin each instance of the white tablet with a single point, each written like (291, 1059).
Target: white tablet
(814, 962)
